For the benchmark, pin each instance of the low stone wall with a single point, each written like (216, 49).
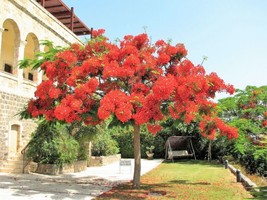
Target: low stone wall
(53, 169)
(31, 167)
(245, 180)
(50, 169)
(80, 166)
(102, 160)
(73, 168)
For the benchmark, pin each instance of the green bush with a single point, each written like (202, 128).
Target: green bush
(221, 146)
(124, 138)
(51, 144)
(254, 165)
(125, 142)
(83, 134)
(104, 145)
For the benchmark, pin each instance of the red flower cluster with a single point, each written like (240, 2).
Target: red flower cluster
(68, 109)
(154, 128)
(99, 32)
(149, 110)
(169, 53)
(115, 102)
(264, 122)
(226, 130)
(210, 125)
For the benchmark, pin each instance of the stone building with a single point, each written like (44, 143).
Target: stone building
(23, 24)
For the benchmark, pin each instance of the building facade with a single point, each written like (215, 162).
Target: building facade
(23, 24)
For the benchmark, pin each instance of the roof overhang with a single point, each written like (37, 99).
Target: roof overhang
(66, 16)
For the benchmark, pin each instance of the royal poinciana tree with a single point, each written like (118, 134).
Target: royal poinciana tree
(135, 82)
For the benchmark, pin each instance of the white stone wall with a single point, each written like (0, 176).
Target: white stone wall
(31, 17)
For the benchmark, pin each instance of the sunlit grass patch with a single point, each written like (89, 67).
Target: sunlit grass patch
(183, 180)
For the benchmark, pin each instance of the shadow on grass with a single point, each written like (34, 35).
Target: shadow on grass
(166, 187)
(126, 191)
(186, 182)
(194, 162)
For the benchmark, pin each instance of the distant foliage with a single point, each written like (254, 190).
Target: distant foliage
(247, 111)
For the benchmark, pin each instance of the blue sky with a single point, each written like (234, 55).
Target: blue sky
(231, 33)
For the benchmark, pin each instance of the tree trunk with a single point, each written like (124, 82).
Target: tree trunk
(209, 151)
(137, 157)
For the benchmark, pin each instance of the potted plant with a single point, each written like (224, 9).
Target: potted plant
(149, 152)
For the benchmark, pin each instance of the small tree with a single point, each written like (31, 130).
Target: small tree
(135, 82)
(247, 110)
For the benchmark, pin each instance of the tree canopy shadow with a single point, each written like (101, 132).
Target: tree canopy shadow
(194, 162)
(20, 185)
(186, 182)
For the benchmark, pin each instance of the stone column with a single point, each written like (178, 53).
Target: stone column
(39, 76)
(21, 50)
(1, 33)
(88, 148)
(40, 72)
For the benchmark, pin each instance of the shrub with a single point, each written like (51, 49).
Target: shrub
(83, 134)
(221, 146)
(103, 144)
(124, 138)
(159, 143)
(125, 142)
(51, 144)
(254, 165)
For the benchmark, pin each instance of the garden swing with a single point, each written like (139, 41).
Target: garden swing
(179, 146)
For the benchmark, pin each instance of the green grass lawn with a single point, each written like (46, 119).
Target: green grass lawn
(199, 180)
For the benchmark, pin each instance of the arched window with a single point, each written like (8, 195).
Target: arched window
(32, 47)
(9, 47)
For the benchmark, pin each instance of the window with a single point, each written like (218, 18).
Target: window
(30, 76)
(8, 68)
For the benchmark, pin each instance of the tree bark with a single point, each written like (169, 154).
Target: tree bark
(209, 151)
(137, 157)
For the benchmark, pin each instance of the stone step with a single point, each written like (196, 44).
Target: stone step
(11, 170)
(15, 162)
(16, 157)
(12, 165)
